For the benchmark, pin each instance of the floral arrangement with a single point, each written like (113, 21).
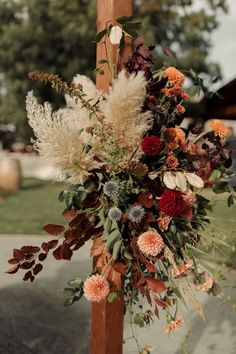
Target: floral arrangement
(135, 181)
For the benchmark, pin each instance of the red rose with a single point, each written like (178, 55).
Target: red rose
(151, 145)
(171, 202)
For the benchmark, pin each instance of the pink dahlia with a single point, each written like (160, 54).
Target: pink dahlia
(96, 288)
(171, 202)
(150, 243)
(151, 145)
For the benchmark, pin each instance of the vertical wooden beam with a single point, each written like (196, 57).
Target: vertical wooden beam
(108, 318)
(107, 12)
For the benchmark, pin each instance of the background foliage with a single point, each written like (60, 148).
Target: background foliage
(57, 36)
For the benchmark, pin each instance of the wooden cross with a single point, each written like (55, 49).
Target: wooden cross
(107, 318)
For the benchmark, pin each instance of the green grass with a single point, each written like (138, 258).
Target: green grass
(223, 227)
(34, 206)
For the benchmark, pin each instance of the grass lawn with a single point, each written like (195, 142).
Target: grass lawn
(34, 206)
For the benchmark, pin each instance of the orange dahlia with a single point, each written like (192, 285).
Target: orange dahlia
(96, 288)
(219, 128)
(175, 77)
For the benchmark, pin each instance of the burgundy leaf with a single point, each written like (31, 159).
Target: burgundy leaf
(17, 254)
(147, 293)
(42, 256)
(30, 249)
(37, 268)
(13, 261)
(52, 244)
(57, 254)
(66, 252)
(13, 269)
(157, 312)
(52, 229)
(27, 265)
(45, 247)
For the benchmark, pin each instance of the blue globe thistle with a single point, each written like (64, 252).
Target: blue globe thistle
(115, 214)
(136, 213)
(110, 189)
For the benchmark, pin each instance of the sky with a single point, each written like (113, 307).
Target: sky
(224, 43)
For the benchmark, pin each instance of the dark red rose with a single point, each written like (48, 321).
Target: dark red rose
(171, 202)
(151, 145)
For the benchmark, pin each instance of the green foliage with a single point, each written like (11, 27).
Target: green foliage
(74, 292)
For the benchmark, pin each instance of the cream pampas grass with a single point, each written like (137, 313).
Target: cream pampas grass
(123, 105)
(59, 142)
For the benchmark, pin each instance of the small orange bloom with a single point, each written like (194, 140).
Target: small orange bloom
(219, 128)
(180, 108)
(172, 161)
(175, 77)
(184, 96)
(164, 221)
(180, 134)
(182, 269)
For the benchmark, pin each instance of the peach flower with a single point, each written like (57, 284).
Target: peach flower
(150, 243)
(164, 221)
(96, 288)
(182, 269)
(173, 325)
(206, 286)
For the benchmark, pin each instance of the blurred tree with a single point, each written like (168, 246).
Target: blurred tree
(184, 28)
(57, 36)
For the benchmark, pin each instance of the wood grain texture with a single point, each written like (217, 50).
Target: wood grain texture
(108, 318)
(107, 12)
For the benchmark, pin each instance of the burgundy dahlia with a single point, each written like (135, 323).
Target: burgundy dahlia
(171, 202)
(151, 145)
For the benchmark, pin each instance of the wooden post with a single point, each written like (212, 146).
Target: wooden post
(108, 318)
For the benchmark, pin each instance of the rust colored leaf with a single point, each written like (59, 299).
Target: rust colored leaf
(63, 252)
(52, 244)
(155, 285)
(17, 254)
(146, 199)
(13, 261)
(148, 297)
(157, 312)
(30, 249)
(28, 276)
(57, 254)
(27, 265)
(52, 229)
(120, 267)
(160, 302)
(66, 252)
(13, 270)
(151, 267)
(42, 256)
(69, 215)
(45, 247)
(38, 267)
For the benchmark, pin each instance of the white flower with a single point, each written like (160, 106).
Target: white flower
(115, 35)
